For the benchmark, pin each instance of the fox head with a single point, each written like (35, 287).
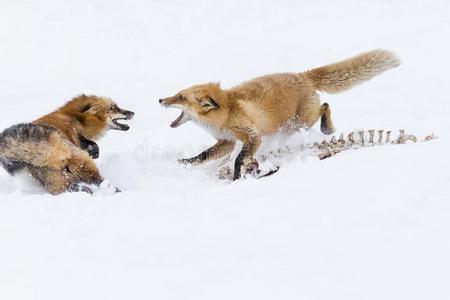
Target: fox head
(204, 103)
(96, 115)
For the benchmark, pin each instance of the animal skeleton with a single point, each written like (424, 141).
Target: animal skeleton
(330, 147)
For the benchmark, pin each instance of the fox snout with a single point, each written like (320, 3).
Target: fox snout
(169, 101)
(128, 114)
(119, 115)
(177, 102)
(163, 102)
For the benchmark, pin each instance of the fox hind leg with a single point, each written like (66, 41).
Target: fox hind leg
(79, 171)
(83, 167)
(55, 181)
(326, 124)
(251, 140)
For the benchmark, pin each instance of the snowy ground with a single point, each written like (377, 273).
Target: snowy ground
(368, 224)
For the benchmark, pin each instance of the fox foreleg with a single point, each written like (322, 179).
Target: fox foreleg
(89, 146)
(219, 150)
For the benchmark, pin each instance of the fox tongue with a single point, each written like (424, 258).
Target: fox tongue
(177, 122)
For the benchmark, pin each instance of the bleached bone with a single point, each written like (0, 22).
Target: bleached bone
(326, 149)
(371, 134)
(324, 155)
(341, 140)
(333, 141)
(380, 136)
(325, 144)
(429, 137)
(350, 138)
(361, 137)
(401, 139)
(411, 137)
(327, 152)
(388, 137)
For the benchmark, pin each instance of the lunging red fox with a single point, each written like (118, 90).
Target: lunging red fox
(263, 105)
(58, 149)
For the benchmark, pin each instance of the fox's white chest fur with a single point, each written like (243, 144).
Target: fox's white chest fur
(218, 133)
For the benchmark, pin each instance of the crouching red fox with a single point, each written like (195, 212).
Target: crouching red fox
(58, 149)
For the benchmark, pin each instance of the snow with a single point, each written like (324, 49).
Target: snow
(372, 223)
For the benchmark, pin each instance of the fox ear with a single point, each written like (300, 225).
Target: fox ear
(208, 104)
(89, 109)
(85, 108)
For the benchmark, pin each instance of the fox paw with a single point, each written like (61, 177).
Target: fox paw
(251, 167)
(184, 161)
(104, 188)
(94, 151)
(107, 188)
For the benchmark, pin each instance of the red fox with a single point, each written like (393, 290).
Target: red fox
(58, 149)
(264, 105)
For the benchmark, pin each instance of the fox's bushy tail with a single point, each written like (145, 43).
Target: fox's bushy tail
(348, 73)
(25, 144)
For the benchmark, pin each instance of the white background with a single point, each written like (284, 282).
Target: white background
(372, 223)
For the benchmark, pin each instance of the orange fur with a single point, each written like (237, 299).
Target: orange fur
(53, 147)
(88, 116)
(264, 105)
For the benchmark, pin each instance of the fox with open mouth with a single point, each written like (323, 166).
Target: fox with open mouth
(264, 105)
(58, 149)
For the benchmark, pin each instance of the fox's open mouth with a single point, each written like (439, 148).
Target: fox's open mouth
(182, 118)
(120, 126)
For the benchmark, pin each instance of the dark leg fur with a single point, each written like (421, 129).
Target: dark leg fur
(199, 158)
(220, 149)
(239, 162)
(89, 146)
(326, 124)
(80, 188)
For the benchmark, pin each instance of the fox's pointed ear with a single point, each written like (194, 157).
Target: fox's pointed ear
(85, 108)
(89, 109)
(208, 104)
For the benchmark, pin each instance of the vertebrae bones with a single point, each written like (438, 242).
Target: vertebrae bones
(332, 147)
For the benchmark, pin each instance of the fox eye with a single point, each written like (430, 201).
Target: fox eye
(181, 97)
